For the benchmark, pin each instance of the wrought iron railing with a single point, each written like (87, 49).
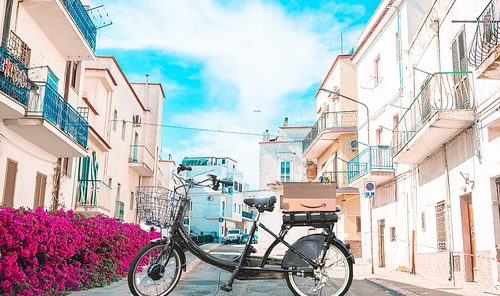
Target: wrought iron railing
(82, 20)
(487, 38)
(141, 154)
(381, 159)
(339, 177)
(45, 102)
(19, 50)
(328, 120)
(440, 91)
(13, 77)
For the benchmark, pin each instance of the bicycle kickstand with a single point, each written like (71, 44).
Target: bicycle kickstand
(229, 286)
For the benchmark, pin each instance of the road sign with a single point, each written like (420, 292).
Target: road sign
(221, 219)
(370, 189)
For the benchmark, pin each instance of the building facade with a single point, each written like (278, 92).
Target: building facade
(215, 212)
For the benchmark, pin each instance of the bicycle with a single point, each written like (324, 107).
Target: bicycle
(316, 264)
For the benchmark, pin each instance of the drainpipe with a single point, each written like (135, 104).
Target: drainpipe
(448, 214)
(6, 23)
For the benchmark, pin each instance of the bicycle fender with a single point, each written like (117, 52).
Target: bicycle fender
(177, 247)
(310, 246)
(345, 248)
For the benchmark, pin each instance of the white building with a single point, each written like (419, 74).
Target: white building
(124, 139)
(44, 45)
(442, 199)
(280, 161)
(216, 212)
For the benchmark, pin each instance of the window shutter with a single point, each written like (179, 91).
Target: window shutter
(10, 184)
(41, 183)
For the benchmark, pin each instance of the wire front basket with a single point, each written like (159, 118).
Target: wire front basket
(160, 206)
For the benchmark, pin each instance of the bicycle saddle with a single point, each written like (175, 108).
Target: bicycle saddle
(261, 203)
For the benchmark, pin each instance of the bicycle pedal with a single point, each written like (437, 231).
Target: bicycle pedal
(226, 288)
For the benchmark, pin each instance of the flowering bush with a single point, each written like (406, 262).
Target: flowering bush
(50, 253)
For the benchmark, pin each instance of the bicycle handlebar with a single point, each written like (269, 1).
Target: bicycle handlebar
(182, 167)
(226, 182)
(190, 183)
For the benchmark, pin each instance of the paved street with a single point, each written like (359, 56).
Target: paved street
(206, 279)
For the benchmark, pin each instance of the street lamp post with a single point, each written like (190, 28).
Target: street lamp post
(336, 92)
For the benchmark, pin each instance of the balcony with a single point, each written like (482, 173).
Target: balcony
(66, 24)
(141, 160)
(484, 53)
(328, 128)
(443, 108)
(93, 198)
(13, 86)
(51, 123)
(382, 168)
(247, 215)
(341, 180)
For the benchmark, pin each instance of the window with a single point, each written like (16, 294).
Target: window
(239, 211)
(240, 187)
(235, 186)
(10, 184)
(235, 207)
(358, 224)
(119, 210)
(285, 171)
(124, 129)
(115, 119)
(84, 112)
(376, 70)
(441, 226)
(40, 185)
(223, 207)
(460, 81)
(74, 67)
(393, 234)
(223, 161)
(65, 166)
(118, 191)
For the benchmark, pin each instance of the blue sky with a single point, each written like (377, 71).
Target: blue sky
(218, 61)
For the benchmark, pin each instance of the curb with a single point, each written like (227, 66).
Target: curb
(392, 290)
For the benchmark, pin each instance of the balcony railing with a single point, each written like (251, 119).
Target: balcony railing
(93, 193)
(381, 159)
(339, 119)
(141, 154)
(82, 20)
(13, 77)
(440, 91)
(339, 177)
(487, 38)
(247, 215)
(45, 102)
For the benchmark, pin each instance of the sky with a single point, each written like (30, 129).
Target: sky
(239, 67)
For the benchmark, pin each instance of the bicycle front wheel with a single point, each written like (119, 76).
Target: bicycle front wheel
(333, 279)
(155, 270)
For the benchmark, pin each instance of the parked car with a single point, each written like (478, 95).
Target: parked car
(234, 236)
(245, 239)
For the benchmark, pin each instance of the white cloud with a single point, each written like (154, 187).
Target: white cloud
(255, 56)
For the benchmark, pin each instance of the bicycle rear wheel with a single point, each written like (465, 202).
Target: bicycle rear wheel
(153, 272)
(333, 279)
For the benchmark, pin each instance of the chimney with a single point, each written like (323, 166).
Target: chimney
(266, 136)
(286, 122)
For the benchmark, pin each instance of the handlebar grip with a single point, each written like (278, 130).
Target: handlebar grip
(226, 182)
(182, 167)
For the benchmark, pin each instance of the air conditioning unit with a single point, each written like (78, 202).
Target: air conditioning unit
(136, 121)
(353, 144)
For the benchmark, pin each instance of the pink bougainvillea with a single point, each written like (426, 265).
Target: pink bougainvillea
(51, 253)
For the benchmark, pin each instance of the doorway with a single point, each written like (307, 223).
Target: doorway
(381, 244)
(468, 236)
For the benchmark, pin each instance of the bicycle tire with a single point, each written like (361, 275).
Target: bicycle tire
(145, 275)
(338, 276)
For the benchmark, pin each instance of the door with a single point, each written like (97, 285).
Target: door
(136, 142)
(40, 185)
(10, 184)
(468, 236)
(381, 244)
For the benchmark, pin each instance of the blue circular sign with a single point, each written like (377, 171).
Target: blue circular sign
(369, 186)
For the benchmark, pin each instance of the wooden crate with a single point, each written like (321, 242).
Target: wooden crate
(305, 196)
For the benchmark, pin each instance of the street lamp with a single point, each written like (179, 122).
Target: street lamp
(336, 92)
